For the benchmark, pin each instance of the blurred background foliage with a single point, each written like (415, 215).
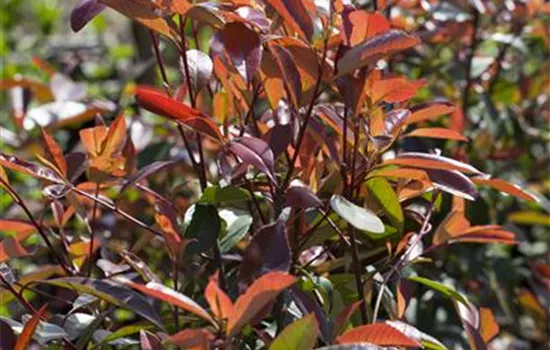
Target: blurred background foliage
(505, 113)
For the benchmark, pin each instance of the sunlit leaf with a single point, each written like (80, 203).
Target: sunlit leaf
(295, 16)
(379, 334)
(299, 335)
(431, 161)
(263, 291)
(370, 50)
(219, 302)
(437, 133)
(360, 218)
(386, 197)
(25, 338)
(253, 151)
(506, 187)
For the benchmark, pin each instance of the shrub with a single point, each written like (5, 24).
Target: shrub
(306, 174)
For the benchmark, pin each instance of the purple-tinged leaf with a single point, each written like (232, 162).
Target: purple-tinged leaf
(145, 172)
(149, 341)
(432, 161)
(299, 196)
(243, 46)
(255, 152)
(268, 250)
(7, 336)
(295, 15)
(84, 12)
(20, 165)
(453, 182)
(291, 76)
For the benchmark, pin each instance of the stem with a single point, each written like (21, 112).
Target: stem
(473, 45)
(118, 211)
(423, 231)
(175, 280)
(92, 234)
(357, 272)
(18, 296)
(39, 228)
(160, 61)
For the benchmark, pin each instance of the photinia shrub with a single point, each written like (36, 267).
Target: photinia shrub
(287, 185)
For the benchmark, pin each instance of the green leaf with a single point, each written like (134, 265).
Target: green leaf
(123, 332)
(217, 195)
(360, 218)
(300, 335)
(441, 288)
(236, 229)
(384, 194)
(204, 228)
(530, 218)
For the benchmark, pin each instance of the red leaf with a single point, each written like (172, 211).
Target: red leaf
(438, 133)
(25, 337)
(172, 297)
(166, 219)
(378, 334)
(426, 112)
(20, 165)
(220, 304)
(393, 90)
(506, 187)
(53, 151)
(195, 339)
(371, 50)
(431, 161)
(295, 15)
(253, 151)
(143, 12)
(359, 25)
(263, 291)
(161, 104)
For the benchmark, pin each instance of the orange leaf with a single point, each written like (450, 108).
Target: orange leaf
(506, 187)
(393, 90)
(431, 161)
(161, 104)
(116, 137)
(93, 138)
(371, 50)
(488, 326)
(295, 16)
(220, 304)
(172, 297)
(166, 220)
(53, 151)
(426, 112)
(142, 12)
(402, 173)
(454, 223)
(359, 25)
(263, 291)
(438, 133)
(379, 334)
(192, 339)
(25, 337)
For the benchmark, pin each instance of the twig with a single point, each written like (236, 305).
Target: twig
(17, 199)
(468, 69)
(92, 233)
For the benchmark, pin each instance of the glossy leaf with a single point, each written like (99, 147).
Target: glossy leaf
(200, 68)
(301, 334)
(219, 302)
(370, 50)
(295, 15)
(20, 165)
(441, 288)
(386, 197)
(149, 342)
(159, 291)
(25, 338)
(158, 103)
(299, 196)
(453, 182)
(243, 46)
(437, 133)
(204, 229)
(378, 334)
(360, 218)
(255, 152)
(262, 292)
(431, 161)
(110, 291)
(359, 25)
(236, 231)
(291, 77)
(196, 339)
(425, 112)
(506, 187)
